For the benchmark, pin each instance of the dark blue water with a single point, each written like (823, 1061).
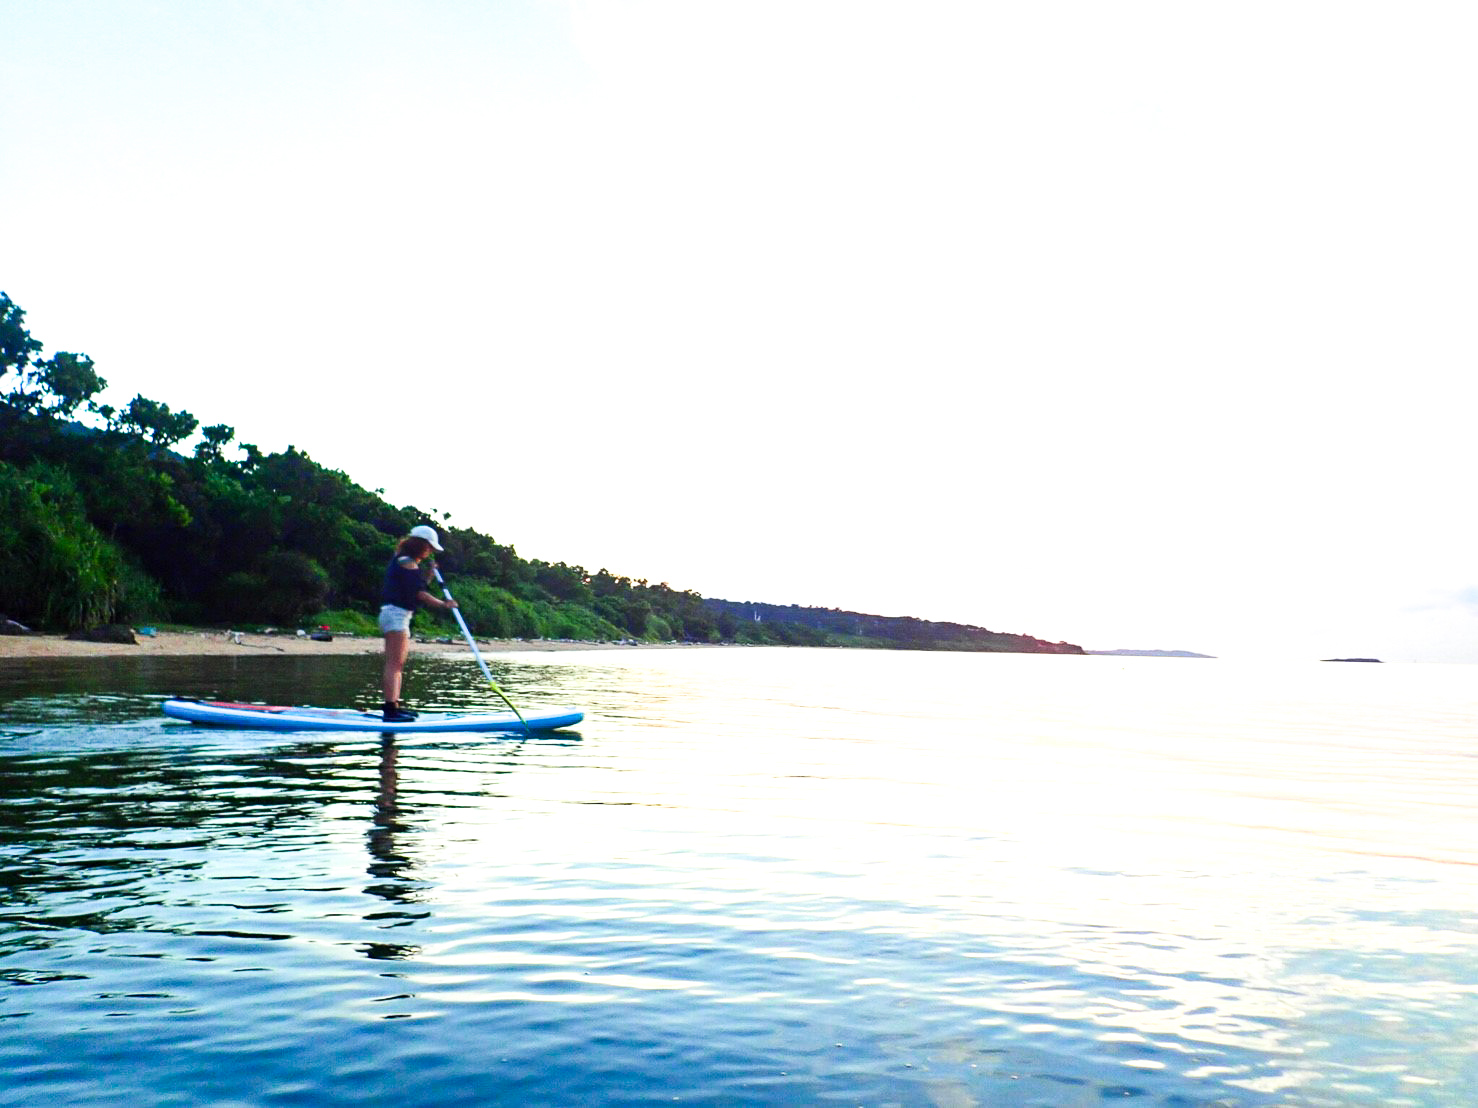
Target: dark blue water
(750, 877)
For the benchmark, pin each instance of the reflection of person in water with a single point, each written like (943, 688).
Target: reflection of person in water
(392, 870)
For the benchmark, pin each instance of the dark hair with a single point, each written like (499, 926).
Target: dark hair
(412, 547)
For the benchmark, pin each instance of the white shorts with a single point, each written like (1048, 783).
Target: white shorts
(394, 619)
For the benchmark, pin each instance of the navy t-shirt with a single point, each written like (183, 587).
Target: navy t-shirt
(402, 583)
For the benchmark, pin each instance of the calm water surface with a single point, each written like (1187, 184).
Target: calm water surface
(758, 876)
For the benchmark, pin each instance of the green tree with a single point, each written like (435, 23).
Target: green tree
(65, 382)
(16, 344)
(562, 582)
(55, 386)
(213, 441)
(60, 572)
(156, 423)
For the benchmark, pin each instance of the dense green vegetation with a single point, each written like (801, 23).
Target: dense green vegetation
(105, 517)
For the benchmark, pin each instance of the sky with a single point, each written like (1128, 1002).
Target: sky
(1135, 325)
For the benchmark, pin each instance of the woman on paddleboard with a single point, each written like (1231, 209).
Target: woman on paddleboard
(405, 591)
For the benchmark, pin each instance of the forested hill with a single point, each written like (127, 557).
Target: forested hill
(901, 632)
(139, 514)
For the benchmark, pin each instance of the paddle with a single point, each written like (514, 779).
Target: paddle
(466, 634)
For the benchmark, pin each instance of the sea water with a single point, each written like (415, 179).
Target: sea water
(751, 876)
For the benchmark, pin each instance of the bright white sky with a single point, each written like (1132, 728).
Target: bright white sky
(1135, 324)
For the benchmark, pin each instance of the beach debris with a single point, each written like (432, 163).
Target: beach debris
(147, 632)
(234, 636)
(322, 636)
(107, 632)
(11, 627)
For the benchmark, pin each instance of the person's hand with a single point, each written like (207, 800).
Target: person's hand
(450, 603)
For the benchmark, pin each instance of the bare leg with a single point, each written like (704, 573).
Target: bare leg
(397, 647)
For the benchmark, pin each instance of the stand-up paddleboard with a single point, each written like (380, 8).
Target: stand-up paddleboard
(271, 717)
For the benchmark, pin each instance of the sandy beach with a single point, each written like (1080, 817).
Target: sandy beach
(173, 643)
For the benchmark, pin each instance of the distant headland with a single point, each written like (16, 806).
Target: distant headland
(842, 628)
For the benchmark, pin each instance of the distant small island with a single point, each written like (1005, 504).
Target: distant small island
(1150, 654)
(1349, 660)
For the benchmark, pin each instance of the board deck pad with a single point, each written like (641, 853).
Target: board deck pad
(278, 717)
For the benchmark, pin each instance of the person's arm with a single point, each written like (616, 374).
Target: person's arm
(435, 601)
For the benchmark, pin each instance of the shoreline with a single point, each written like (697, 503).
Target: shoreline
(192, 643)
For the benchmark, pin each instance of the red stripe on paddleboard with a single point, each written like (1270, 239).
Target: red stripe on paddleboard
(246, 707)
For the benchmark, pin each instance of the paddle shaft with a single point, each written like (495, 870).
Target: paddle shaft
(466, 634)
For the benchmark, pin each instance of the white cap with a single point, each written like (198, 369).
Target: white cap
(427, 533)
